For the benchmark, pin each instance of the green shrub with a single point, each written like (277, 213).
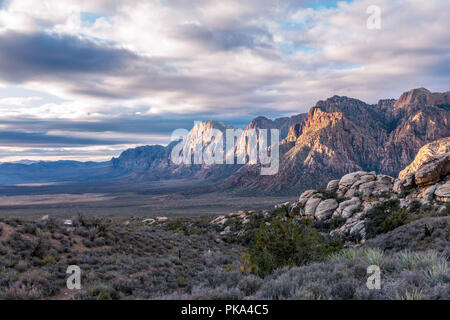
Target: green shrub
(384, 217)
(285, 242)
(48, 259)
(328, 194)
(177, 225)
(104, 292)
(414, 294)
(446, 211)
(398, 218)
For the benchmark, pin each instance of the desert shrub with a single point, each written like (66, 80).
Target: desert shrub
(337, 222)
(250, 284)
(285, 242)
(344, 290)
(48, 259)
(368, 255)
(377, 216)
(446, 211)
(407, 260)
(413, 294)
(415, 205)
(438, 267)
(104, 292)
(177, 225)
(327, 194)
(374, 257)
(398, 218)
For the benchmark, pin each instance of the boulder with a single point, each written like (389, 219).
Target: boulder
(310, 206)
(226, 231)
(325, 209)
(219, 220)
(428, 193)
(409, 182)
(433, 170)
(347, 208)
(333, 185)
(367, 188)
(351, 178)
(304, 197)
(398, 187)
(425, 154)
(296, 209)
(287, 205)
(442, 192)
(357, 228)
(371, 176)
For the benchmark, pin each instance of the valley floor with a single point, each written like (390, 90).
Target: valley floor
(192, 258)
(131, 204)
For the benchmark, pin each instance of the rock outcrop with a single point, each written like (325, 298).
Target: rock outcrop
(427, 153)
(348, 200)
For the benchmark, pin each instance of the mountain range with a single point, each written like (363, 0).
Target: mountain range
(337, 136)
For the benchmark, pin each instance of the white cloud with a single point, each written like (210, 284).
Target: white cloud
(233, 57)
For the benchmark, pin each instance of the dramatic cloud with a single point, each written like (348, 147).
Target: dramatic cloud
(130, 72)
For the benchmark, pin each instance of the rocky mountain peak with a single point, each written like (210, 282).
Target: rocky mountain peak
(422, 97)
(261, 123)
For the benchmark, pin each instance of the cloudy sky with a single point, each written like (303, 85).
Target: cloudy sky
(86, 79)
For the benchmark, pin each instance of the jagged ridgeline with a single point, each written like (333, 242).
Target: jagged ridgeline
(337, 136)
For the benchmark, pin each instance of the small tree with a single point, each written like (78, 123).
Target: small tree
(285, 242)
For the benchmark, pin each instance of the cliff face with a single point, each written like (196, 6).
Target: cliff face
(419, 118)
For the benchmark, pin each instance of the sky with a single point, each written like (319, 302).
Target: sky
(86, 79)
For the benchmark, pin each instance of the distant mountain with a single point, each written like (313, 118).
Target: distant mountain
(337, 136)
(53, 171)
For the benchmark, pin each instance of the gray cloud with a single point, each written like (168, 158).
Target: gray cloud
(33, 56)
(226, 39)
(36, 139)
(167, 63)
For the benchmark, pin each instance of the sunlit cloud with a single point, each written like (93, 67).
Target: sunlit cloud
(73, 68)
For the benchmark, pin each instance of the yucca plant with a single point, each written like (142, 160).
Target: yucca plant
(348, 254)
(438, 268)
(374, 257)
(414, 294)
(408, 259)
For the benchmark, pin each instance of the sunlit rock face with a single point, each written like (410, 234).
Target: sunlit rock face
(342, 135)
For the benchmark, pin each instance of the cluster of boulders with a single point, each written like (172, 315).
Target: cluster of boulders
(355, 193)
(351, 197)
(242, 216)
(348, 198)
